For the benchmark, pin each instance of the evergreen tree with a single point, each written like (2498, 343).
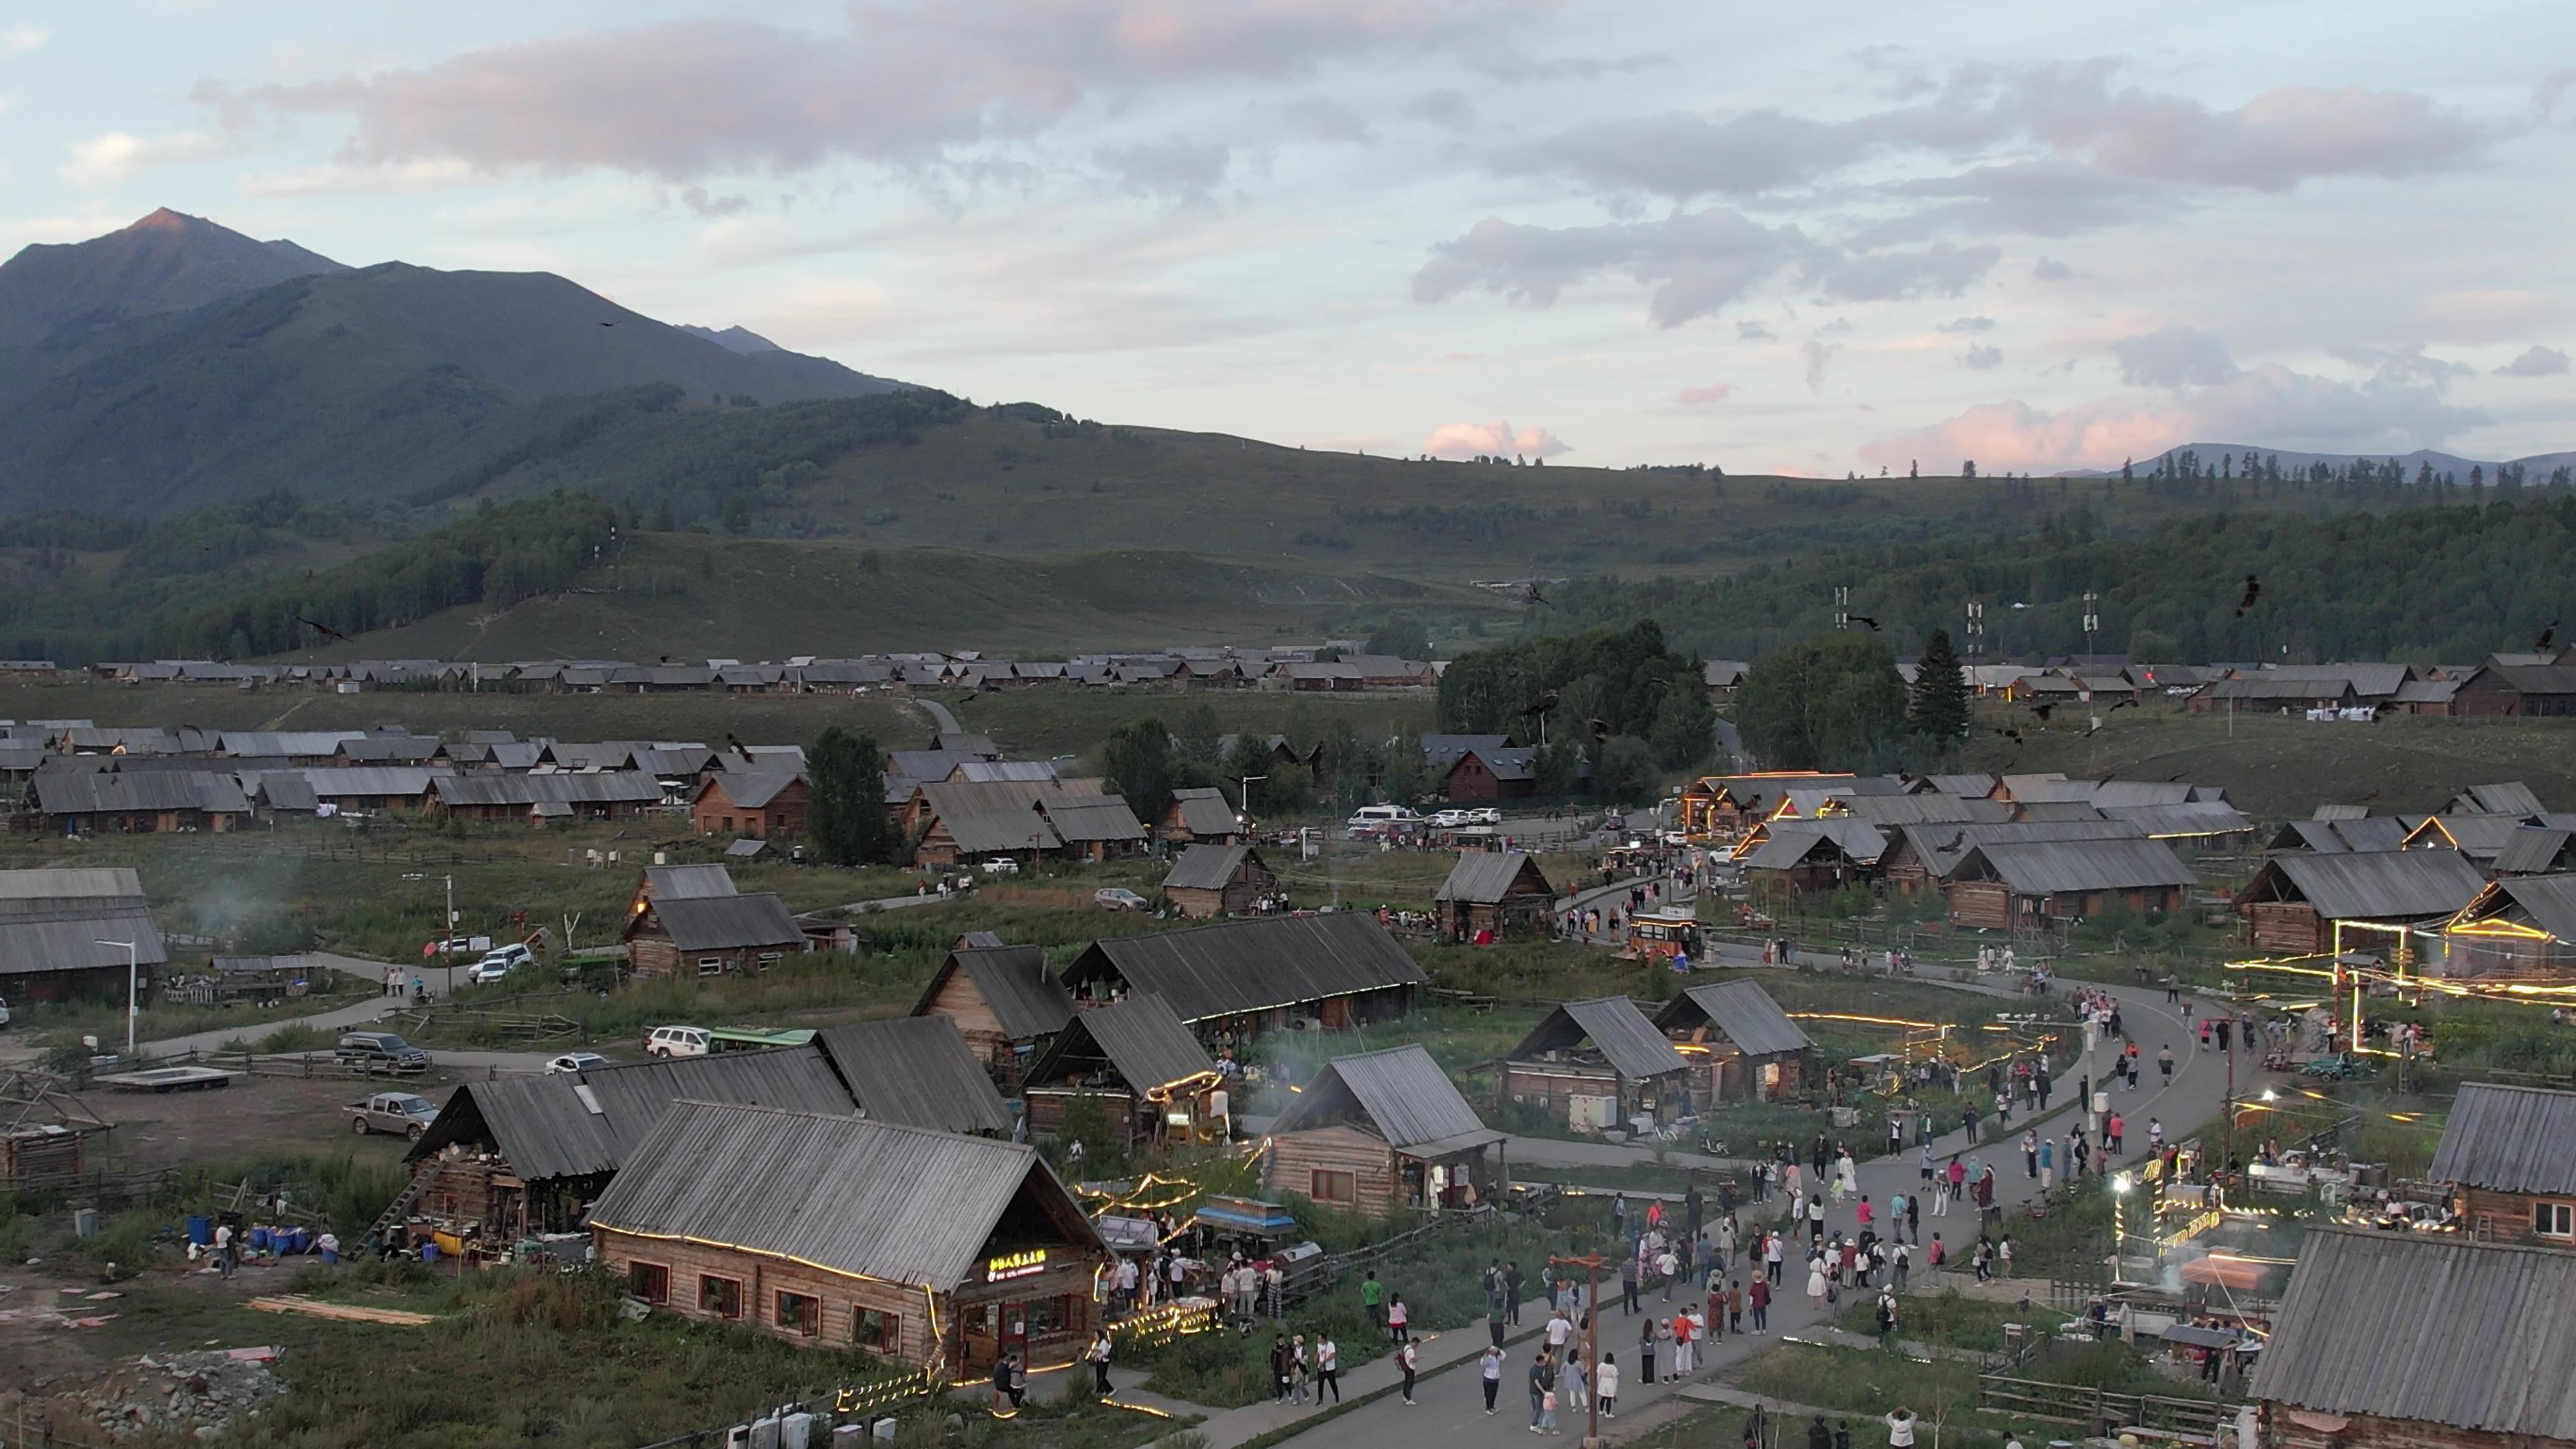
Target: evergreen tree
(1139, 762)
(845, 794)
(1831, 702)
(1938, 705)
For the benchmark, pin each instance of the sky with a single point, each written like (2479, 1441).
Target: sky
(1821, 239)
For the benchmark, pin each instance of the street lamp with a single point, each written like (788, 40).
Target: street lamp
(133, 988)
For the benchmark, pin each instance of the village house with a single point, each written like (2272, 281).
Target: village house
(2301, 904)
(1492, 774)
(583, 795)
(2527, 691)
(2536, 850)
(78, 801)
(2479, 837)
(1384, 1131)
(2420, 1341)
(916, 1070)
(2519, 928)
(936, 1251)
(1207, 881)
(691, 921)
(1244, 978)
(1724, 806)
(1493, 894)
(2344, 835)
(2508, 1157)
(1199, 815)
(1795, 857)
(1003, 999)
(56, 926)
(1138, 1060)
(2017, 886)
(1741, 1046)
(1598, 1064)
(764, 805)
(1926, 857)
(1093, 828)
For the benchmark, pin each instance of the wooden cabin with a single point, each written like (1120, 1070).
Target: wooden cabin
(1795, 858)
(1381, 1132)
(1244, 978)
(1741, 1046)
(1208, 881)
(2508, 1157)
(1138, 1058)
(2520, 928)
(1598, 1064)
(926, 1248)
(2419, 1341)
(761, 804)
(2297, 901)
(1924, 857)
(2023, 886)
(1199, 815)
(1004, 1000)
(710, 935)
(1725, 806)
(1493, 894)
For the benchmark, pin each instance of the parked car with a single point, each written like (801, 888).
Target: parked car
(499, 963)
(1452, 819)
(1119, 898)
(575, 1062)
(405, 1114)
(676, 1041)
(380, 1051)
(1484, 815)
(4, 1011)
(1000, 865)
(1382, 820)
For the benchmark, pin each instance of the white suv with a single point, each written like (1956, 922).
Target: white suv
(499, 963)
(676, 1041)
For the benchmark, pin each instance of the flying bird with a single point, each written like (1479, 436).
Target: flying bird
(2253, 594)
(1866, 619)
(607, 324)
(2545, 636)
(1541, 705)
(2123, 703)
(2042, 711)
(1601, 729)
(2012, 735)
(1538, 598)
(325, 630)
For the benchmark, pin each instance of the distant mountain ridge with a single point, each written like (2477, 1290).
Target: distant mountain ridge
(2538, 465)
(176, 363)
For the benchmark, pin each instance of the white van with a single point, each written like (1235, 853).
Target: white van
(1379, 819)
(676, 1041)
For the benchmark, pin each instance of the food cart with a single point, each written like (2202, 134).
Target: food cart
(1665, 933)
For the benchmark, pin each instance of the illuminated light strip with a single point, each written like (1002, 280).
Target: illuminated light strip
(1140, 1408)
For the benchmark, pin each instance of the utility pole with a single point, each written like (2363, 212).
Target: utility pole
(1976, 631)
(1842, 606)
(1592, 1264)
(133, 990)
(1243, 791)
(2092, 618)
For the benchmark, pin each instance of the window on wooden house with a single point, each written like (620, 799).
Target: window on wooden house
(2554, 1219)
(800, 1313)
(711, 965)
(720, 1296)
(649, 1281)
(1325, 1185)
(875, 1329)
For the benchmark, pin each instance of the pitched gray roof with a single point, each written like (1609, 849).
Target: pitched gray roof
(499, 787)
(1255, 965)
(2512, 797)
(1615, 1027)
(1205, 867)
(2382, 884)
(1400, 1093)
(2548, 900)
(1943, 847)
(2428, 1327)
(850, 1195)
(2038, 868)
(688, 882)
(916, 1070)
(1204, 811)
(751, 789)
(725, 923)
(87, 792)
(2372, 833)
(2188, 821)
(1091, 817)
(999, 817)
(1142, 1037)
(1026, 998)
(1787, 843)
(2533, 849)
(545, 1128)
(2477, 836)
(1885, 810)
(1742, 1012)
(1486, 877)
(2508, 1139)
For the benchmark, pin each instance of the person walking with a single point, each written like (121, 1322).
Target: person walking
(1398, 1318)
(1887, 1321)
(1900, 1263)
(1607, 1388)
(1282, 1370)
(1489, 1368)
(1408, 1360)
(1328, 1367)
(2164, 1063)
(1773, 1256)
(1373, 1298)
(1646, 1351)
(2113, 1131)
(1735, 1306)
(1914, 1217)
(1542, 1392)
(1759, 1300)
(1628, 1284)
(1300, 1371)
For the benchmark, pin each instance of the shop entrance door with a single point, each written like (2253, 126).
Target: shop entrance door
(1015, 1330)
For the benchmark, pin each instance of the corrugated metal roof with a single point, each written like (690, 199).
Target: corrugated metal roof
(1976, 786)
(1742, 1012)
(2315, 836)
(2477, 836)
(1623, 1035)
(2508, 1139)
(2430, 1327)
(749, 789)
(2511, 797)
(999, 817)
(545, 1129)
(499, 787)
(2533, 849)
(2372, 833)
(2108, 794)
(354, 781)
(1205, 867)
(1788, 843)
(2382, 885)
(916, 1070)
(71, 883)
(1399, 1093)
(1886, 810)
(1257, 965)
(1205, 812)
(1943, 847)
(724, 923)
(1487, 877)
(1014, 981)
(1091, 817)
(2182, 822)
(870, 1198)
(688, 882)
(2049, 867)
(34, 943)
(299, 744)
(85, 792)
(2545, 901)
(2055, 812)
(1142, 1037)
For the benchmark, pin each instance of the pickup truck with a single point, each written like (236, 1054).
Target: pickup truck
(406, 1114)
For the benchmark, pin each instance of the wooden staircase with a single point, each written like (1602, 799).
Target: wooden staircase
(422, 1174)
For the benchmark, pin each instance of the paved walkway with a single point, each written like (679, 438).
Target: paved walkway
(1451, 1412)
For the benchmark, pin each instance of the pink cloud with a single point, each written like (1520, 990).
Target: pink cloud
(2014, 436)
(1469, 440)
(1704, 394)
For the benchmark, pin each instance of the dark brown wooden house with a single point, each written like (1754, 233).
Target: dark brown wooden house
(1138, 1058)
(2521, 928)
(1381, 1132)
(1598, 1064)
(1493, 894)
(1492, 774)
(1741, 1046)
(2420, 1341)
(1005, 1001)
(934, 1250)
(2508, 1156)
(2018, 887)
(1797, 857)
(711, 935)
(1248, 977)
(2295, 902)
(761, 804)
(1199, 815)
(1208, 881)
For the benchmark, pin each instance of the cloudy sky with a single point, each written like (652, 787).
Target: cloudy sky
(1797, 238)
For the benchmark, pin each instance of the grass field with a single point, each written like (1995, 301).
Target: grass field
(2278, 768)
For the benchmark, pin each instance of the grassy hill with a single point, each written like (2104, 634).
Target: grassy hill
(2277, 768)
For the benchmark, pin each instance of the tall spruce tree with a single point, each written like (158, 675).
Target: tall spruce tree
(1937, 706)
(845, 793)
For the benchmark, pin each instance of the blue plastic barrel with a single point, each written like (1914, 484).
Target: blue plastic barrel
(201, 1230)
(429, 1250)
(259, 1239)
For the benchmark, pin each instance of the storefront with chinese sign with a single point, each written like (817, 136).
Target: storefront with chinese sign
(1034, 1302)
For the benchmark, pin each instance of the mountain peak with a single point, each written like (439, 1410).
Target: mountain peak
(741, 341)
(164, 219)
(166, 262)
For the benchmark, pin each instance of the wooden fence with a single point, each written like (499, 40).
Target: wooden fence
(2100, 1413)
